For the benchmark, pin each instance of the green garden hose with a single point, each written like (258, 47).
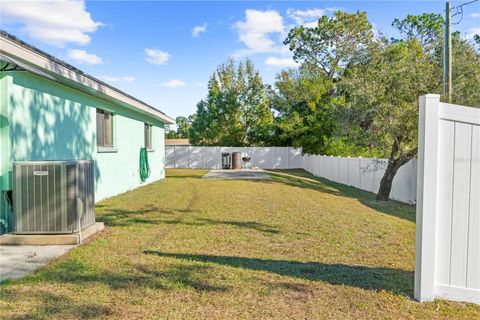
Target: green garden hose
(144, 167)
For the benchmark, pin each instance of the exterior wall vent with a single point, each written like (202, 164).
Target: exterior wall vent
(53, 196)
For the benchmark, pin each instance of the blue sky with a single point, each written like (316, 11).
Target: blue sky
(165, 52)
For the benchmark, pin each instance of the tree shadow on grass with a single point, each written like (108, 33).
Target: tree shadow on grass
(54, 305)
(252, 225)
(302, 179)
(370, 278)
(151, 215)
(128, 276)
(113, 216)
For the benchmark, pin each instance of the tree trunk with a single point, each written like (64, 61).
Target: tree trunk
(397, 159)
(387, 179)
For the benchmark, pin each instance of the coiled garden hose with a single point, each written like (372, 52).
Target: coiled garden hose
(144, 167)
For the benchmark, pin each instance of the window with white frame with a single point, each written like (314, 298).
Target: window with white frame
(104, 128)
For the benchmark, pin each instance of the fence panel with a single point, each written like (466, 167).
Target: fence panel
(169, 156)
(354, 172)
(210, 157)
(280, 160)
(295, 158)
(405, 183)
(195, 157)
(448, 202)
(363, 173)
(181, 157)
(343, 170)
(367, 174)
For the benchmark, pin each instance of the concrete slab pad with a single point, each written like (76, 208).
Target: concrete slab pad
(18, 261)
(50, 239)
(248, 174)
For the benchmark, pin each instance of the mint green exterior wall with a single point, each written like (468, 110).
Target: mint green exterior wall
(45, 120)
(4, 143)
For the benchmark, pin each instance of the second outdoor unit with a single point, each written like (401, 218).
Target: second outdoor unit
(53, 196)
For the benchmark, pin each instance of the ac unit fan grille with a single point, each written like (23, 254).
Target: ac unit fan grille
(46, 195)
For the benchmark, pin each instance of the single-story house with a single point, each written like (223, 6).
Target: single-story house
(50, 110)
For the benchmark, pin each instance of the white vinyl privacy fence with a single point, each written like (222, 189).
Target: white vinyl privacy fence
(211, 157)
(448, 202)
(365, 174)
(362, 173)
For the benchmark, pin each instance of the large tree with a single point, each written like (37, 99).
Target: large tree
(426, 29)
(304, 109)
(333, 43)
(382, 108)
(236, 110)
(183, 127)
(383, 90)
(306, 99)
(465, 72)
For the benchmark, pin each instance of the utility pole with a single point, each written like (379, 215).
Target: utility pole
(447, 55)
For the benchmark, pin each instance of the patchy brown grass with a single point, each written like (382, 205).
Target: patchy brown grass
(296, 247)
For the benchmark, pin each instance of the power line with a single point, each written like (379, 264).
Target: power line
(447, 62)
(459, 10)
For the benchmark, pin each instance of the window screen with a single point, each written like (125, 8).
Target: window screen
(104, 128)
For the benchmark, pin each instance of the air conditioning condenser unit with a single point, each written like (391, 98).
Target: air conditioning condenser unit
(53, 196)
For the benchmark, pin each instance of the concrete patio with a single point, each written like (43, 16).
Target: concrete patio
(247, 174)
(18, 261)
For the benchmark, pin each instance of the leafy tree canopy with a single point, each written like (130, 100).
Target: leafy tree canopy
(333, 43)
(183, 127)
(236, 110)
(305, 116)
(426, 28)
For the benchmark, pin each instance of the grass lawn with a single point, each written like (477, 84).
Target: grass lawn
(295, 247)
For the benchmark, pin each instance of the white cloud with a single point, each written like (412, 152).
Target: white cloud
(156, 56)
(83, 56)
(472, 32)
(256, 31)
(280, 62)
(199, 29)
(311, 24)
(308, 18)
(475, 15)
(53, 22)
(117, 79)
(173, 83)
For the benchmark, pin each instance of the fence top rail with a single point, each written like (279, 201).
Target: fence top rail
(459, 113)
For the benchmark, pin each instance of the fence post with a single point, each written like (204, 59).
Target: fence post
(426, 197)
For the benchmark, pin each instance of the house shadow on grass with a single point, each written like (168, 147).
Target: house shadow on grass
(46, 304)
(370, 278)
(302, 179)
